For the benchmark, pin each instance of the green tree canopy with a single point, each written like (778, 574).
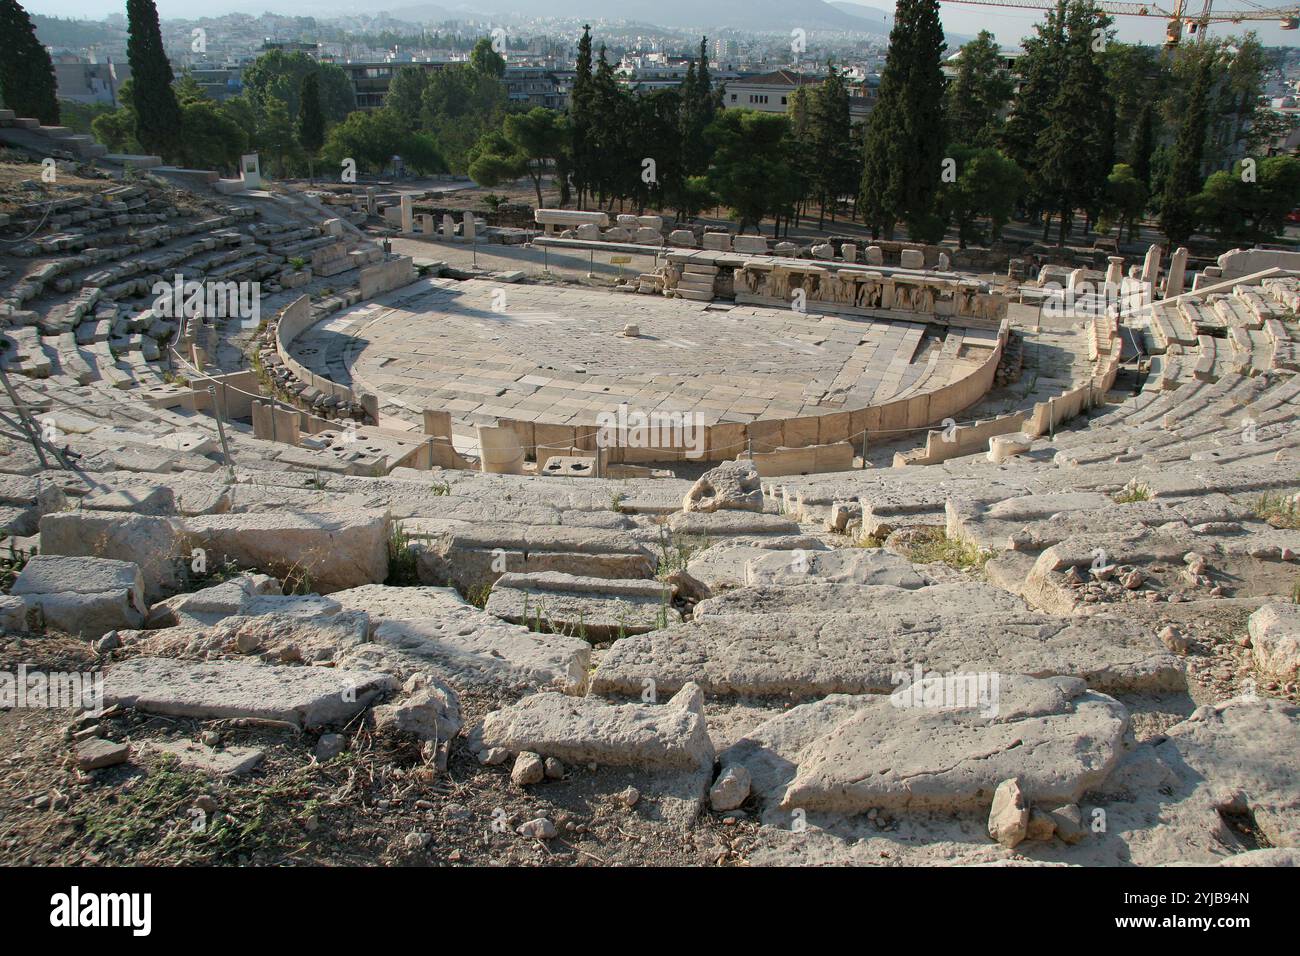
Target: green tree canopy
(26, 72)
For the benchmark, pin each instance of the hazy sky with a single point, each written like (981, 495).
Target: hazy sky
(1009, 25)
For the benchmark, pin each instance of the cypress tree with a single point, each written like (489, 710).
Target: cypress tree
(158, 115)
(977, 95)
(830, 129)
(26, 71)
(311, 121)
(905, 134)
(1075, 149)
(1039, 70)
(1177, 215)
(580, 106)
(1144, 144)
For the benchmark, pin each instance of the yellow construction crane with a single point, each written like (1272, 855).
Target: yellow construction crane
(1288, 18)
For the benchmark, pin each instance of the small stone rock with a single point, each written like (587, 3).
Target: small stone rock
(417, 840)
(528, 769)
(96, 752)
(1009, 816)
(1174, 639)
(554, 769)
(731, 789)
(1133, 579)
(109, 642)
(329, 746)
(493, 756)
(1069, 823)
(539, 829)
(629, 797)
(1041, 825)
(205, 803)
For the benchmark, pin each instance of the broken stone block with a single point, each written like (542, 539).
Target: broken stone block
(732, 485)
(303, 696)
(151, 543)
(84, 596)
(473, 558)
(429, 711)
(581, 730)
(1275, 640)
(594, 609)
(807, 651)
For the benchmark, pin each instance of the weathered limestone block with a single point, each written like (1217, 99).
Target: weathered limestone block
(272, 635)
(733, 485)
(912, 259)
(861, 566)
(81, 595)
(329, 550)
(806, 653)
(683, 238)
(306, 697)
(1054, 736)
(466, 646)
(586, 730)
(151, 543)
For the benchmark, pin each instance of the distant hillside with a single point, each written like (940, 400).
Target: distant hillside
(754, 15)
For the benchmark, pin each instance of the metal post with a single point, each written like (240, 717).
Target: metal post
(221, 433)
(25, 420)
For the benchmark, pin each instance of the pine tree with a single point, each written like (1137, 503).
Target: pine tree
(158, 115)
(311, 121)
(905, 141)
(1177, 214)
(580, 106)
(26, 72)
